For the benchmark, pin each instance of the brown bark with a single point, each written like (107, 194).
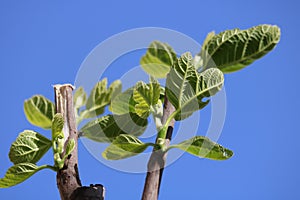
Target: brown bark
(67, 178)
(157, 160)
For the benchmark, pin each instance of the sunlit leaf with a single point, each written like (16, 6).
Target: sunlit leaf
(57, 126)
(39, 111)
(80, 98)
(232, 50)
(70, 147)
(100, 97)
(158, 59)
(205, 148)
(209, 36)
(124, 146)
(29, 147)
(123, 103)
(19, 173)
(106, 128)
(186, 88)
(198, 61)
(146, 96)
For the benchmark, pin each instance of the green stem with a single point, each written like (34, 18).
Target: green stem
(161, 135)
(163, 131)
(171, 117)
(157, 160)
(49, 167)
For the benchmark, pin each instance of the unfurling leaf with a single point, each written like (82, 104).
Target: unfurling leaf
(19, 173)
(146, 96)
(79, 98)
(158, 59)
(70, 147)
(60, 156)
(198, 61)
(100, 97)
(106, 128)
(39, 111)
(124, 146)
(186, 88)
(162, 94)
(205, 148)
(209, 36)
(115, 88)
(123, 103)
(29, 147)
(232, 50)
(57, 126)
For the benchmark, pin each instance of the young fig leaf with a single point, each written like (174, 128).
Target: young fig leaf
(80, 98)
(205, 148)
(125, 146)
(158, 59)
(57, 126)
(19, 173)
(123, 103)
(100, 97)
(232, 50)
(39, 111)
(146, 96)
(107, 128)
(29, 147)
(70, 147)
(186, 88)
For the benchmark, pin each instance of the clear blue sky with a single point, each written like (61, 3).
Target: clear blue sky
(44, 42)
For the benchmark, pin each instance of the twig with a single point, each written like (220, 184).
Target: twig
(157, 160)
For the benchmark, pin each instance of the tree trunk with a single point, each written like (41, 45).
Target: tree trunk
(157, 160)
(67, 178)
